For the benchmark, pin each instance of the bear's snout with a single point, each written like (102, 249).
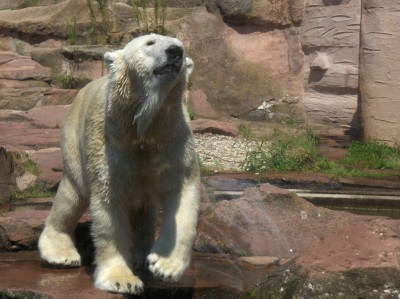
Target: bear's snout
(174, 52)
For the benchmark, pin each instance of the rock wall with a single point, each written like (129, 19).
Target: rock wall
(380, 70)
(269, 61)
(330, 34)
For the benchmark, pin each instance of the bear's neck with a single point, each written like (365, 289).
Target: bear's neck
(129, 120)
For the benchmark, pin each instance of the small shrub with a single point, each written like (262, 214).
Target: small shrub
(192, 114)
(71, 29)
(100, 30)
(245, 131)
(37, 190)
(32, 167)
(285, 153)
(147, 21)
(29, 3)
(70, 81)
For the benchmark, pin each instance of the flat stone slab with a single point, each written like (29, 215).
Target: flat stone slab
(25, 272)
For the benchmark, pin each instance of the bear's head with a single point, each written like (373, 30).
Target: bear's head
(146, 72)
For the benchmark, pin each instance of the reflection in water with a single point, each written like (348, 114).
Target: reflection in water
(208, 274)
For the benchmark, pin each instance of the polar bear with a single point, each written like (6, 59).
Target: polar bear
(127, 146)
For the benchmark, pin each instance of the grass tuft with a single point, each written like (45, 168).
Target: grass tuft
(32, 167)
(373, 155)
(285, 152)
(299, 152)
(37, 190)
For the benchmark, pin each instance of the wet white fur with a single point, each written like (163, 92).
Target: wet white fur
(127, 147)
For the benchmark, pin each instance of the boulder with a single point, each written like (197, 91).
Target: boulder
(30, 97)
(272, 13)
(269, 221)
(25, 181)
(48, 21)
(21, 68)
(297, 281)
(199, 105)
(249, 63)
(46, 116)
(12, 44)
(24, 97)
(20, 132)
(22, 229)
(50, 164)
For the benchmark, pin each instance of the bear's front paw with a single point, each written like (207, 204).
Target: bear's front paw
(169, 268)
(58, 249)
(118, 280)
(65, 258)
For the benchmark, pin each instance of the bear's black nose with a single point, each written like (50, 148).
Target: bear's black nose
(174, 52)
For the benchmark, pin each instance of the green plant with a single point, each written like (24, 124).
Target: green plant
(29, 3)
(204, 170)
(245, 131)
(71, 29)
(148, 21)
(373, 155)
(100, 30)
(37, 190)
(69, 81)
(32, 167)
(299, 152)
(192, 114)
(285, 152)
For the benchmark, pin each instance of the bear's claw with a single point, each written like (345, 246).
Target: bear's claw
(167, 268)
(118, 280)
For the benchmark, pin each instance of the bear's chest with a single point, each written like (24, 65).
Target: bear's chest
(140, 167)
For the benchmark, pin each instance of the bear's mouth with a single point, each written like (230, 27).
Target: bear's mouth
(167, 69)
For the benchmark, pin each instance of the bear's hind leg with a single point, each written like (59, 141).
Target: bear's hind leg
(56, 243)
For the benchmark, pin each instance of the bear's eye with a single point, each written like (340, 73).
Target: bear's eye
(150, 43)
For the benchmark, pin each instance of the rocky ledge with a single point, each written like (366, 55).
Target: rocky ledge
(268, 243)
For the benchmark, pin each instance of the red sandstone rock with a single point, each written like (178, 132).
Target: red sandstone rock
(213, 126)
(50, 164)
(46, 116)
(200, 106)
(17, 67)
(22, 228)
(273, 222)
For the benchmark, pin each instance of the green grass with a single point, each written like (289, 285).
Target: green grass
(37, 190)
(69, 81)
(29, 3)
(32, 167)
(192, 114)
(285, 152)
(71, 28)
(373, 155)
(299, 152)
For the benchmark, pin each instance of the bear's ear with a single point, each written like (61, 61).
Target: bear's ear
(189, 66)
(118, 75)
(109, 58)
